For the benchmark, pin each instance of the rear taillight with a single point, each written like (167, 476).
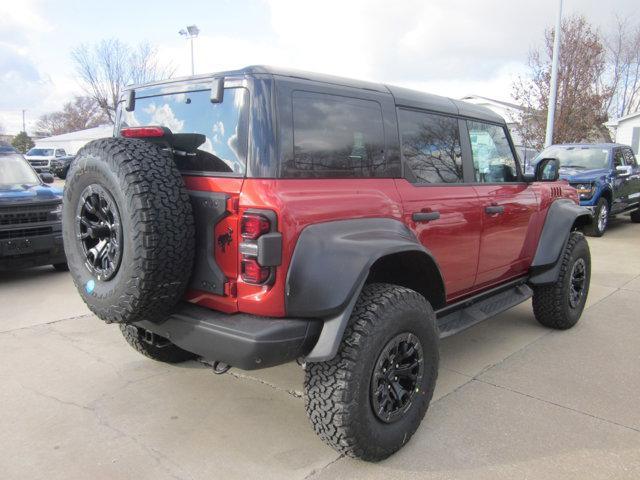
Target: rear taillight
(261, 248)
(142, 132)
(252, 272)
(253, 225)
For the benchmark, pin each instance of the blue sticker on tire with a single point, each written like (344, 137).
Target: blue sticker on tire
(89, 286)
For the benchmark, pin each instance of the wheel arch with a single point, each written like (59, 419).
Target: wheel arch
(607, 194)
(413, 269)
(332, 262)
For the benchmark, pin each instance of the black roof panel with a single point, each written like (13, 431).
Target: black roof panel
(403, 96)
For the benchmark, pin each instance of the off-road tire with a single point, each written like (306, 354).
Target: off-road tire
(594, 229)
(337, 392)
(157, 227)
(551, 305)
(635, 216)
(168, 352)
(61, 267)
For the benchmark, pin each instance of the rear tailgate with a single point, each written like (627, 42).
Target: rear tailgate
(215, 206)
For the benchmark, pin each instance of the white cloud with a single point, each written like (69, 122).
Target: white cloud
(164, 116)
(218, 131)
(450, 47)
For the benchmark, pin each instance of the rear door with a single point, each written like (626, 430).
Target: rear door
(507, 203)
(442, 211)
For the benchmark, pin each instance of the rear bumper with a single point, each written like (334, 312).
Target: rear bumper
(240, 340)
(33, 251)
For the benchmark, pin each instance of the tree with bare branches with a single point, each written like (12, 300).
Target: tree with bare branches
(623, 52)
(582, 98)
(78, 114)
(105, 68)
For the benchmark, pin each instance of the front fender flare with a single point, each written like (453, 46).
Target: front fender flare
(561, 218)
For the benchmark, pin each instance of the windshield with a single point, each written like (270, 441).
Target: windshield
(14, 171)
(584, 158)
(40, 152)
(213, 135)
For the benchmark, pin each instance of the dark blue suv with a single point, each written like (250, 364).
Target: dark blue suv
(30, 215)
(606, 175)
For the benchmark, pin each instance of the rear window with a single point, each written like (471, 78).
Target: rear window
(431, 146)
(336, 137)
(219, 145)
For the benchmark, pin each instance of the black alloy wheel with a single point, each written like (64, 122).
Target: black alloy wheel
(396, 377)
(99, 230)
(577, 282)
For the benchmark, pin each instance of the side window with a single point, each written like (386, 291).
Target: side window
(493, 159)
(618, 158)
(431, 146)
(60, 153)
(336, 137)
(630, 158)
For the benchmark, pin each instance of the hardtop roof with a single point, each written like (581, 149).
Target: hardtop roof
(403, 96)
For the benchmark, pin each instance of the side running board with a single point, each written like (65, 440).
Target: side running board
(457, 317)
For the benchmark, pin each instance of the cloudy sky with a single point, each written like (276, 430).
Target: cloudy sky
(449, 47)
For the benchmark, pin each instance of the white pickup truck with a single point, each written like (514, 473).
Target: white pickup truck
(40, 158)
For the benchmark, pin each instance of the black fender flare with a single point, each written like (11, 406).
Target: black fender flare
(561, 218)
(329, 267)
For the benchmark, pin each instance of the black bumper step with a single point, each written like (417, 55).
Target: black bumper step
(240, 340)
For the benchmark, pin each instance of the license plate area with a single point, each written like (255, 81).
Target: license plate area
(19, 246)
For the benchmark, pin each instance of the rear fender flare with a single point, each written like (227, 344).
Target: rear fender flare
(329, 267)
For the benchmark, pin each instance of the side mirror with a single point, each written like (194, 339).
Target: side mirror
(623, 170)
(46, 177)
(547, 170)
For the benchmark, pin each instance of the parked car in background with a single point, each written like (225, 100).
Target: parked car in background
(40, 158)
(606, 175)
(30, 215)
(60, 166)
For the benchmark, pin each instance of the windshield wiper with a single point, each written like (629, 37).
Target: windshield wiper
(574, 166)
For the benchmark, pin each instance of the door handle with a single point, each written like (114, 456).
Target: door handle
(425, 216)
(494, 209)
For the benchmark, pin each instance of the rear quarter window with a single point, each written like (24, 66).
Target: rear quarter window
(336, 137)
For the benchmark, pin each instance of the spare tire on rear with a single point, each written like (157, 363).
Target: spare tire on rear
(128, 230)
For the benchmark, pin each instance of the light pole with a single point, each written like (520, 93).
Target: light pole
(190, 32)
(551, 108)
(24, 128)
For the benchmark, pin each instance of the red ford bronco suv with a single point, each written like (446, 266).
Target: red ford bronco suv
(259, 216)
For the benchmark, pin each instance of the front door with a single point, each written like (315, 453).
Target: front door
(508, 205)
(633, 184)
(442, 211)
(621, 183)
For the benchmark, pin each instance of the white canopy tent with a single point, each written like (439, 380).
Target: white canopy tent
(73, 141)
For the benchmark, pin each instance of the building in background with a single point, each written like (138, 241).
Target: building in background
(74, 141)
(511, 114)
(626, 130)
